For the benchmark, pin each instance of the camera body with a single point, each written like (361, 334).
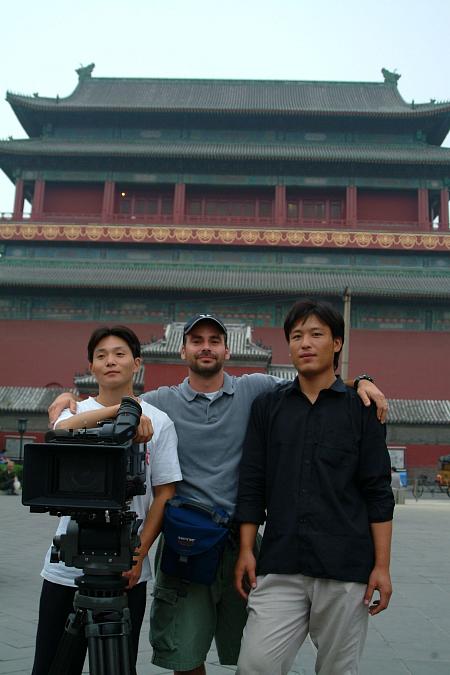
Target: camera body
(86, 470)
(90, 475)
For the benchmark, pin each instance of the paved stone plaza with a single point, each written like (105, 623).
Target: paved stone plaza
(412, 636)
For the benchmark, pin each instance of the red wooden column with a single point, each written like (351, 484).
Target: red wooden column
(108, 200)
(422, 208)
(443, 213)
(37, 208)
(179, 200)
(351, 203)
(18, 200)
(280, 205)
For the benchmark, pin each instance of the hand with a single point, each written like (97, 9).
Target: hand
(380, 581)
(368, 392)
(60, 403)
(134, 574)
(144, 432)
(245, 573)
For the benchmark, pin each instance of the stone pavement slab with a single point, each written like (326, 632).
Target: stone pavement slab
(411, 637)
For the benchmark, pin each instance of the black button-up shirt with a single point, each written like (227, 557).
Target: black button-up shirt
(321, 474)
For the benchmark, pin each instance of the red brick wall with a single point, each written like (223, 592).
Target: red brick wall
(405, 364)
(40, 353)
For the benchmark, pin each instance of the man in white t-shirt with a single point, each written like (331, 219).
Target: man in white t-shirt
(114, 357)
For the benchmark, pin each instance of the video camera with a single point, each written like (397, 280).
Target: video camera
(86, 470)
(90, 475)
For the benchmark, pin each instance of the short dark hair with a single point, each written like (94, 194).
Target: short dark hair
(324, 311)
(123, 332)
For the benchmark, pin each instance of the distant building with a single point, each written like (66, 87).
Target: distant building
(153, 199)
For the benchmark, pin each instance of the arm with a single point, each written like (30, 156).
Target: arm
(90, 418)
(245, 570)
(61, 402)
(87, 419)
(375, 483)
(380, 579)
(150, 531)
(368, 393)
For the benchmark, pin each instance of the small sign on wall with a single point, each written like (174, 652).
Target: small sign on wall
(398, 457)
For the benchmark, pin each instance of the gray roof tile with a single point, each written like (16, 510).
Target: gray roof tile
(257, 96)
(86, 383)
(28, 399)
(401, 411)
(239, 342)
(214, 278)
(394, 153)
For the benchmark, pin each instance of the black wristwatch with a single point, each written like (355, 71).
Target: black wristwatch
(358, 379)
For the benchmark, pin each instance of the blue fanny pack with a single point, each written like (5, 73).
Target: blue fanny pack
(194, 538)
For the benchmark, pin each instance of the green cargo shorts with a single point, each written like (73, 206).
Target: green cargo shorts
(184, 618)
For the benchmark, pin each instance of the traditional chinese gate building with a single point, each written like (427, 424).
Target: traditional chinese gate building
(154, 199)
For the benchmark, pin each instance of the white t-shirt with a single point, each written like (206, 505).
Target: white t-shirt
(161, 467)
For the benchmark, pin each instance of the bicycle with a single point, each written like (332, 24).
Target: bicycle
(423, 483)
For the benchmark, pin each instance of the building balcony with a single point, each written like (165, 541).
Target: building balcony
(250, 222)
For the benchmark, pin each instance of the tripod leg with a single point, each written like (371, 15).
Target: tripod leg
(71, 652)
(109, 644)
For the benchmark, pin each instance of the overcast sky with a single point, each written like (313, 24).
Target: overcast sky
(44, 41)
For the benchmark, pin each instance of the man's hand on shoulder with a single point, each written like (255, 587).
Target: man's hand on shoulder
(368, 393)
(61, 402)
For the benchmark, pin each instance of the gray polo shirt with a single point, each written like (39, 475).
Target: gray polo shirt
(211, 434)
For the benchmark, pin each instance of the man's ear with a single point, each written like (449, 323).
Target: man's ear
(137, 364)
(183, 353)
(337, 344)
(90, 367)
(227, 354)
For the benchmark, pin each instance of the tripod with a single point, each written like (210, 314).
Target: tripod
(103, 618)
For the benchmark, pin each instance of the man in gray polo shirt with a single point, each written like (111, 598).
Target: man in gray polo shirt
(210, 410)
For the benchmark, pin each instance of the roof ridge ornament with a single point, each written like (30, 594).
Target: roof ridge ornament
(390, 77)
(85, 72)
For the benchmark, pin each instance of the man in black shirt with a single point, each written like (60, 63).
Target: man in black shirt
(315, 466)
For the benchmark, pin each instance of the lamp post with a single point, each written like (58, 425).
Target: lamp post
(346, 348)
(21, 428)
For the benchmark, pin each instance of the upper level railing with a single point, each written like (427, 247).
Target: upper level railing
(216, 221)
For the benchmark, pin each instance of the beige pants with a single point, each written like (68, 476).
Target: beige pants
(284, 608)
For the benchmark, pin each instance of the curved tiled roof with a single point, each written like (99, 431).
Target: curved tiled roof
(230, 96)
(86, 382)
(239, 342)
(404, 411)
(401, 411)
(391, 153)
(231, 278)
(28, 399)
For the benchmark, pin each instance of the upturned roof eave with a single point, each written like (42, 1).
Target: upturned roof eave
(392, 155)
(37, 105)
